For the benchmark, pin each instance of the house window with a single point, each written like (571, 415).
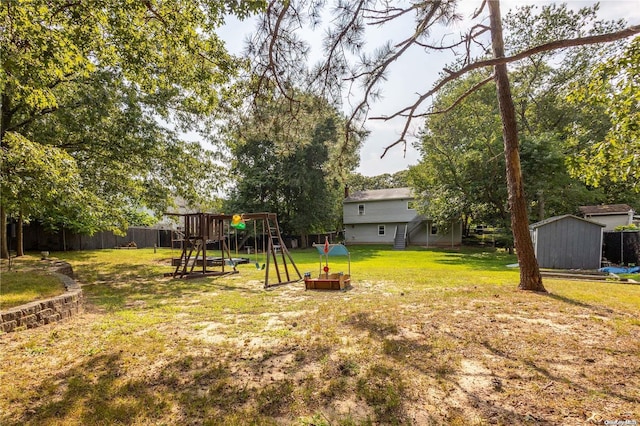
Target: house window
(434, 229)
(360, 208)
(381, 230)
(411, 205)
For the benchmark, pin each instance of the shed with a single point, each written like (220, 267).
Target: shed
(567, 242)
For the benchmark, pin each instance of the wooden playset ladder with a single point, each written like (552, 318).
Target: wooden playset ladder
(276, 246)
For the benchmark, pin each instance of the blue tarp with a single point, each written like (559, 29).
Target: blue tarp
(620, 270)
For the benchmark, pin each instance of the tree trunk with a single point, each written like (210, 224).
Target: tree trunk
(530, 278)
(541, 205)
(19, 237)
(4, 238)
(5, 119)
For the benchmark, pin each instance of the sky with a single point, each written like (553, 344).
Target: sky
(414, 72)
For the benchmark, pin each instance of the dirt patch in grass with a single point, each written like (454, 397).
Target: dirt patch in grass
(152, 350)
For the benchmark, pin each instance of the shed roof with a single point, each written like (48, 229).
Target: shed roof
(379, 195)
(562, 217)
(605, 209)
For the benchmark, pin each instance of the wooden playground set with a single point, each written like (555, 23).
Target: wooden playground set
(199, 230)
(202, 229)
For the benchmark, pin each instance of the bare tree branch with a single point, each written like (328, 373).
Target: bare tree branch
(337, 41)
(457, 101)
(279, 56)
(40, 113)
(378, 71)
(272, 65)
(479, 10)
(410, 111)
(397, 142)
(483, 29)
(388, 14)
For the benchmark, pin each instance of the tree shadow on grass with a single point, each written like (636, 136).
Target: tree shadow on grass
(478, 260)
(601, 310)
(88, 393)
(364, 252)
(558, 378)
(436, 359)
(217, 388)
(186, 390)
(116, 293)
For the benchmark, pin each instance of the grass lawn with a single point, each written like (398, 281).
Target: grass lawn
(26, 282)
(424, 337)
(634, 277)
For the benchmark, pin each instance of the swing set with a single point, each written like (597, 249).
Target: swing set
(202, 229)
(263, 242)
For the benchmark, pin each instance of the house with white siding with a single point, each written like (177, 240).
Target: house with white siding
(610, 215)
(388, 216)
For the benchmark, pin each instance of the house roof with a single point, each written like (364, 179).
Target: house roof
(564, 216)
(379, 195)
(605, 209)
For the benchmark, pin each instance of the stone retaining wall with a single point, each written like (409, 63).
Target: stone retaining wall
(46, 311)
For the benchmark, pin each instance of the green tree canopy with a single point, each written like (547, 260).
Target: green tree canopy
(347, 63)
(41, 180)
(461, 171)
(609, 158)
(462, 168)
(294, 172)
(358, 182)
(95, 79)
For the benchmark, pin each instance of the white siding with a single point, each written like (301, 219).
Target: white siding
(387, 211)
(385, 207)
(424, 237)
(612, 220)
(367, 233)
